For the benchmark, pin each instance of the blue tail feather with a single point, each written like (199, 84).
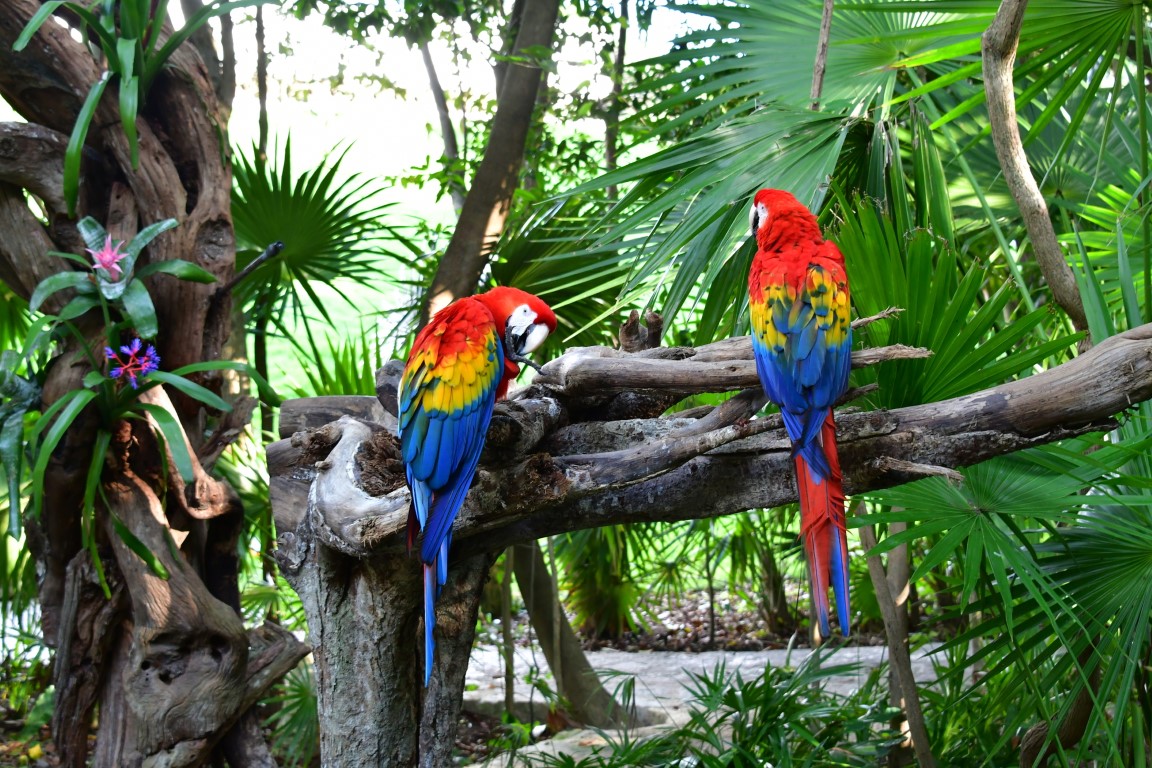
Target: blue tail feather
(429, 618)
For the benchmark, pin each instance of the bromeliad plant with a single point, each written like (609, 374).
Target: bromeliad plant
(131, 39)
(123, 365)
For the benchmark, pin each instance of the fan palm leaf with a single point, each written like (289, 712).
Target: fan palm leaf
(331, 227)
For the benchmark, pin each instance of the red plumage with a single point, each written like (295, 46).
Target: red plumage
(802, 337)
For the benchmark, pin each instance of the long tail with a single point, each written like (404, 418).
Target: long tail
(429, 618)
(823, 529)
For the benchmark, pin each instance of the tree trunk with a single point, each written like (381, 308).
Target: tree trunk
(590, 703)
(364, 613)
(490, 196)
(167, 659)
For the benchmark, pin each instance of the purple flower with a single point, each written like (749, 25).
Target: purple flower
(108, 258)
(133, 363)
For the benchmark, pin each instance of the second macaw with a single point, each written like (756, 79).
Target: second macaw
(802, 339)
(460, 364)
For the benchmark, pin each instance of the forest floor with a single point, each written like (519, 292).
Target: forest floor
(677, 638)
(679, 641)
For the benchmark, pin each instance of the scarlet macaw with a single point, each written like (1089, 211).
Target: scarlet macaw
(801, 338)
(460, 364)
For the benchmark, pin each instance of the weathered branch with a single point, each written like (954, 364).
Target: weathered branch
(341, 503)
(998, 46)
(722, 366)
(32, 157)
(668, 469)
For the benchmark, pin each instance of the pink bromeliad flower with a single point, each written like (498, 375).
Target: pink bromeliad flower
(108, 258)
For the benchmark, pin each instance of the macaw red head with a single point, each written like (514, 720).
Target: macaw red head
(768, 206)
(524, 322)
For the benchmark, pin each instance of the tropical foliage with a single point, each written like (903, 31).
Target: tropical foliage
(1033, 574)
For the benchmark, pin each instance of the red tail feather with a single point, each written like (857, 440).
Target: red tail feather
(822, 526)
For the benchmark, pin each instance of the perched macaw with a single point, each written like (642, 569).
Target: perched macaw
(802, 337)
(460, 364)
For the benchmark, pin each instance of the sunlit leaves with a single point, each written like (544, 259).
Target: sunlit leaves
(329, 221)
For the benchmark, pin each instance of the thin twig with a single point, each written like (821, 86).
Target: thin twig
(901, 660)
(821, 54)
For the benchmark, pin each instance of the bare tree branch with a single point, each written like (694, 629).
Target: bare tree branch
(998, 46)
(671, 469)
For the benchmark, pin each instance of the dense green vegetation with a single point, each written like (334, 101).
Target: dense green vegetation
(1034, 574)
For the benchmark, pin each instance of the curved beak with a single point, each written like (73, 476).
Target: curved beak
(519, 342)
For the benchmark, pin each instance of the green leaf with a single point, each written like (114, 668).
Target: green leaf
(95, 471)
(93, 233)
(156, 25)
(12, 457)
(192, 389)
(129, 105)
(69, 407)
(140, 310)
(156, 62)
(133, 16)
(107, 40)
(140, 548)
(147, 235)
(185, 270)
(75, 150)
(80, 281)
(267, 394)
(126, 62)
(35, 23)
(94, 378)
(173, 435)
(78, 306)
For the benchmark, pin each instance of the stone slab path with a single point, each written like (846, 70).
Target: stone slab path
(659, 676)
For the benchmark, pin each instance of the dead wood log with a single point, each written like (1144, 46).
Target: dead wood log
(671, 471)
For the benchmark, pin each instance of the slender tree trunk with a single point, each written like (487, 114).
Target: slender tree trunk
(900, 660)
(490, 196)
(998, 49)
(774, 606)
(612, 116)
(451, 160)
(590, 702)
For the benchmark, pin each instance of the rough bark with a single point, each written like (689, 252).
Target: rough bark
(545, 476)
(167, 661)
(998, 48)
(490, 196)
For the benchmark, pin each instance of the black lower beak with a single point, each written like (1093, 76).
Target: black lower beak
(514, 346)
